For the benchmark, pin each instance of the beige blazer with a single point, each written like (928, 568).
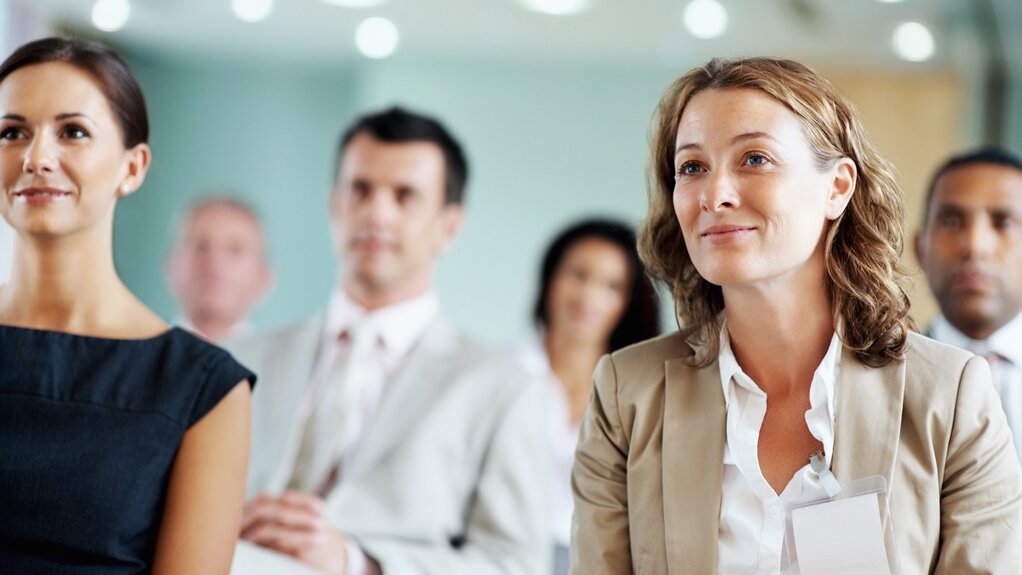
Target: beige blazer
(448, 477)
(649, 465)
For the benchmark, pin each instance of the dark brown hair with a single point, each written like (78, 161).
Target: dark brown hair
(398, 125)
(641, 317)
(115, 80)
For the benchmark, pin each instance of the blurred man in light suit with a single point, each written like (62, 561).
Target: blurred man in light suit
(970, 248)
(383, 439)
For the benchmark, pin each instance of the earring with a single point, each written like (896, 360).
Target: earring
(125, 188)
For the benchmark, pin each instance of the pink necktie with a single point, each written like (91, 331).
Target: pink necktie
(994, 359)
(334, 424)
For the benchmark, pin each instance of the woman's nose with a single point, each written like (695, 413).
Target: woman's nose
(40, 156)
(718, 192)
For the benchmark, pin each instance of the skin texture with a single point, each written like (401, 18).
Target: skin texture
(218, 269)
(390, 225)
(753, 207)
(588, 295)
(971, 247)
(57, 132)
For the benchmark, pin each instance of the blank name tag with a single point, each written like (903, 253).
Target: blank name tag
(840, 537)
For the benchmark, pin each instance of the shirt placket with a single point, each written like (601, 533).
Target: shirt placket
(772, 536)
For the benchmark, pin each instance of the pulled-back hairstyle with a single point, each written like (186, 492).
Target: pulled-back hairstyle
(863, 245)
(123, 94)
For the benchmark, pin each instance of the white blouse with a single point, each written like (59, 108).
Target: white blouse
(562, 435)
(752, 516)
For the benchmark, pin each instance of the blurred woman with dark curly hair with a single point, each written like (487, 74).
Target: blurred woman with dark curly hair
(795, 374)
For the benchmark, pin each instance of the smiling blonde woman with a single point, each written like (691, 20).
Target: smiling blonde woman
(795, 375)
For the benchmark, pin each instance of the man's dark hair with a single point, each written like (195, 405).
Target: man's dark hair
(398, 125)
(641, 318)
(995, 156)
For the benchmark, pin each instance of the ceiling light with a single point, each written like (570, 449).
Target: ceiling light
(556, 7)
(376, 38)
(252, 10)
(913, 42)
(705, 18)
(355, 3)
(110, 15)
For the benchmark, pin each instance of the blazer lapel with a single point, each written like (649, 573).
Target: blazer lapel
(868, 421)
(296, 370)
(694, 428)
(408, 398)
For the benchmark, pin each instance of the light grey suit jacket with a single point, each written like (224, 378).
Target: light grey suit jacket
(447, 478)
(648, 469)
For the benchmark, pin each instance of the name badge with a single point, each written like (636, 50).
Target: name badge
(842, 535)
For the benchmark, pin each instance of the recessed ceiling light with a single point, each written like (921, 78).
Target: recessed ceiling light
(556, 7)
(110, 15)
(376, 38)
(355, 3)
(252, 10)
(913, 42)
(705, 18)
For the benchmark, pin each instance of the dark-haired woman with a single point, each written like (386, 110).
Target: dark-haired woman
(594, 298)
(124, 442)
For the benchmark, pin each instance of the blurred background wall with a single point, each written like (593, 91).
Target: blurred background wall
(553, 111)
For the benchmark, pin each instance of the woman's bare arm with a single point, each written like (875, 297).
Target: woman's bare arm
(207, 491)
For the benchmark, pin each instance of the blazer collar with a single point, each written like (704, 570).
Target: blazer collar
(868, 426)
(867, 433)
(694, 426)
(414, 389)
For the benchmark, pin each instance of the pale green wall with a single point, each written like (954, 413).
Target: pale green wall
(546, 143)
(263, 133)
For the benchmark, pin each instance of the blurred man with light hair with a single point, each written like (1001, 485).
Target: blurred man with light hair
(218, 269)
(970, 248)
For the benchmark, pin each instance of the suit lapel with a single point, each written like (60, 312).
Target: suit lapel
(868, 421)
(409, 397)
(296, 368)
(694, 430)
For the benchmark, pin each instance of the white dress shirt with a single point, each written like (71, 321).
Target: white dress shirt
(1006, 343)
(752, 516)
(563, 438)
(397, 328)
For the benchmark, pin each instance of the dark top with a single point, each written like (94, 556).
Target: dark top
(89, 428)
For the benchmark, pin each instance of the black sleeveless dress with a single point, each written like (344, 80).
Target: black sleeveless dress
(89, 428)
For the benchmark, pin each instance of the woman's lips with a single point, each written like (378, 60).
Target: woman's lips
(41, 196)
(726, 233)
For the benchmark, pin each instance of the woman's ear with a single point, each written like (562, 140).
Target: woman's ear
(138, 165)
(842, 187)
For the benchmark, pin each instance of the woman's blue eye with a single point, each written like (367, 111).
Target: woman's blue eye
(756, 159)
(689, 168)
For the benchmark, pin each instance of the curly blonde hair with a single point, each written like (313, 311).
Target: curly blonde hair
(863, 245)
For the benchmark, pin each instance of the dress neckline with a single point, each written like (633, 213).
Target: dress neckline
(71, 335)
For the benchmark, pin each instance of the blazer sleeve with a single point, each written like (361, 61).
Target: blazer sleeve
(506, 529)
(600, 542)
(981, 494)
